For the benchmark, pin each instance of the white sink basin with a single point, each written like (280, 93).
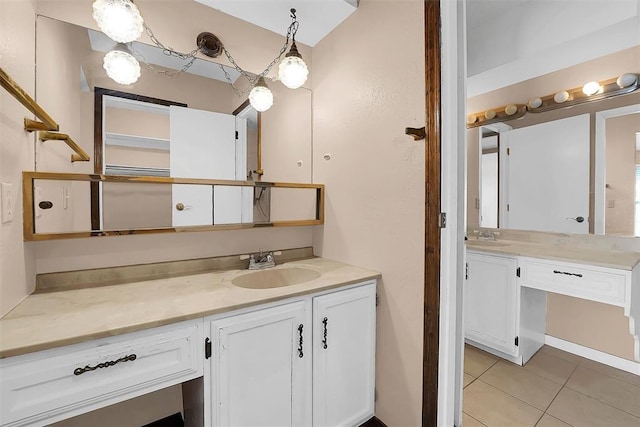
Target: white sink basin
(275, 278)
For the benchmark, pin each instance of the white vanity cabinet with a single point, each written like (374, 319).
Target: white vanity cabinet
(344, 345)
(260, 369)
(501, 316)
(275, 366)
(491, 301)
(40, 388)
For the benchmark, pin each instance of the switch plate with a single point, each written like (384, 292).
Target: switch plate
(8, 202)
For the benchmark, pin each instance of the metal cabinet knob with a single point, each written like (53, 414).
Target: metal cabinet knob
(180, 206)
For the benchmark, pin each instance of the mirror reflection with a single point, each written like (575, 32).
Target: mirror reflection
(566, 170)
(61, 204)
(72, 56)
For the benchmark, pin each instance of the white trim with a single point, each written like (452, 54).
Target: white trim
(451, 342)
(592, 354)
(135, 141)
(601, 162)
(132, 104)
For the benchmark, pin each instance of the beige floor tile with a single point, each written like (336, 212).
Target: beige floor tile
(611, 371)
(468, 379)
(579, 410)
(496, 408)
(477, 361)
(526, 386)
(552, 351)
(550, 367)
(469, 421)
(549, 421)
(604, 388)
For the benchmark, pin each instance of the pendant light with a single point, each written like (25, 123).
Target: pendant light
(293, 71)
(118, 19)
(260, 96)
(121, 66)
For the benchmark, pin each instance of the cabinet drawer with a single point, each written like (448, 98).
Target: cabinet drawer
(593, 283)
(74, 379)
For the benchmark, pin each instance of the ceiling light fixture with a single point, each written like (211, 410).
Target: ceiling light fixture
(121, 66)
(591, 88)
(118, 19)
(293, 71)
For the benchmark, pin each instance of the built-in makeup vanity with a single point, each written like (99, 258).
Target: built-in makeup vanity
(507, 283)
(289, 345)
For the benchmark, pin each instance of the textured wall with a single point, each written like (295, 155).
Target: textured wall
(368, 86)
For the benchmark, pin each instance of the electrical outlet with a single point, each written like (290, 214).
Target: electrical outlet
(8, 202)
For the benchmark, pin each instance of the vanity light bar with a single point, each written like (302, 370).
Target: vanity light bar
(624, 84)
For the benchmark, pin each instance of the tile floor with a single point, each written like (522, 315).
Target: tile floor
(554, 389)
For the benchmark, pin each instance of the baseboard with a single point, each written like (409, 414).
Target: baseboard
(373, 422)
(595, 355)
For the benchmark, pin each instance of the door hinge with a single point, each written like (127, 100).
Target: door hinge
(207, 348)
(508, 151)
(377, 300)
(516, 341)
(466, 271)
(442, 221)
(237, 135)
(518, 272)
(508, 207)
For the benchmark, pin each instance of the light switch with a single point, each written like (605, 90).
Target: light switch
(8, 202)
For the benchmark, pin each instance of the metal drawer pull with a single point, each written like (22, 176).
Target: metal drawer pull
(80, 371)
(300, 353)
(324, 335)
(568, 274)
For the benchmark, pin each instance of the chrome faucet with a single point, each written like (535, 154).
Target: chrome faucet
(262, 260)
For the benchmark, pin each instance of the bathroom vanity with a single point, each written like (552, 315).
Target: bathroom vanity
(507, 283)
(247, 350)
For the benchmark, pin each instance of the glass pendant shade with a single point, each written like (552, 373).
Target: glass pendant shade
(118, 19)
(293, 71)
(260, 96)
(121, 67)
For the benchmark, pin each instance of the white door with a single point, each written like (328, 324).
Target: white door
(261, 372)
(490, 301)
(344, 330)
(547, 176)
(203, 145)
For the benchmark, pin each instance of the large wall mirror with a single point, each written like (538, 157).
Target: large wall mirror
(189, 125)
(572, 170)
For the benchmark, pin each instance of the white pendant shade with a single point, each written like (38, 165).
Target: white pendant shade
(293, 72)
(121, 67)
(261, 97)
(118, 19)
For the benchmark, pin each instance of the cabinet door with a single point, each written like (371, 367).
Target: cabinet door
(261, 368)
(344, 356)
(490, 301)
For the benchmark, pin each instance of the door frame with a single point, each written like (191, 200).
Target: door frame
(445, 177)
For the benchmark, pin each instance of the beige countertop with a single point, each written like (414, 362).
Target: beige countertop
(55, 319)
(600, 257)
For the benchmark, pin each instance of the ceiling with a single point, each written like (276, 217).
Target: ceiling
(317, 17)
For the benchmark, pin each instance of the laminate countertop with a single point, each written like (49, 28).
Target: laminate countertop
(601, 257)
(47, 320)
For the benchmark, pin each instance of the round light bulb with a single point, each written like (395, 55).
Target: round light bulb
(118, 19)
(511, 109)
(534, 102)
(121, 67)
(560, 97)
(489, 114)
(626, 80)
(293, 72)
(260, 96)
(471, 118)
(591, 88)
